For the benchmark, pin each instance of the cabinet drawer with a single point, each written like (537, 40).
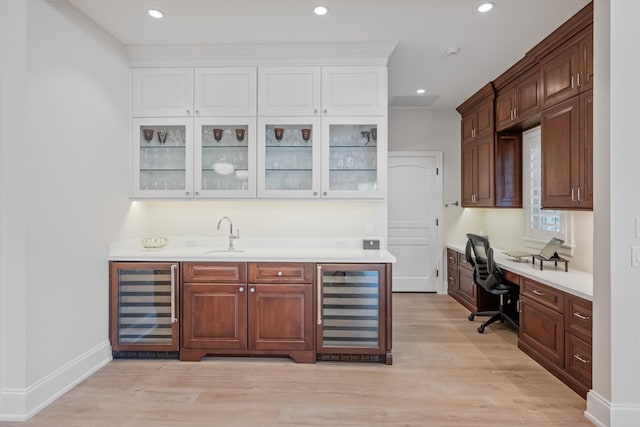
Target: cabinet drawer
(462, 262)
(543, 294)
(452, 259)
(577, 360)
(511, 277)
(578, 317)
(219, 272)
(293, 272)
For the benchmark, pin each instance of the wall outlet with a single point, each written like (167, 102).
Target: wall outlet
(370, 229)
(635, 256)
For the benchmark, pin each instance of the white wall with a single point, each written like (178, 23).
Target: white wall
(614, 400)
(64, 198)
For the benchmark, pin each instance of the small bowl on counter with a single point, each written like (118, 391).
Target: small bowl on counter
(154, 242)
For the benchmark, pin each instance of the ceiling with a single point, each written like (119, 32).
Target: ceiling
(423, 29)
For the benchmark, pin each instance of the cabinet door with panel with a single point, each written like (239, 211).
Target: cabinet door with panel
(479, 121)
(568, 70)
(162, 92)
(519, 103)
(567, 154)
(478, 173)
(289, 91)
(354, 91)
(225, 92)
(542, 330)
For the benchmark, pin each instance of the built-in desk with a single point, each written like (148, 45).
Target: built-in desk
(555, 312)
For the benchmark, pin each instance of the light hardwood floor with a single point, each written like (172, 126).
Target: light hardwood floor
(444, 374)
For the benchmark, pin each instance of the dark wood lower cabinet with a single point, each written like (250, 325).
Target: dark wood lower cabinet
(274, 317)
(542, 331)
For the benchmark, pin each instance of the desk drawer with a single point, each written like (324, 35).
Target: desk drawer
(462, 262)
(511, 277)
(578, 314)
(542, 294)
(280, 272)
(577, 359)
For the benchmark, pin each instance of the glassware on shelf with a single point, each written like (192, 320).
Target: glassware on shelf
(162, 136)
(306, 134)
(279, 133)
(374, 135)
(217, 134)
(148, 134)
(240, 134)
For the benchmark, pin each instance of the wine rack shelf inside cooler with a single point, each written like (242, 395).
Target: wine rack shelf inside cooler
(350, 309)
(144, 307)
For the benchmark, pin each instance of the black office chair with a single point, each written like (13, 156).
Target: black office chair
(487, 274)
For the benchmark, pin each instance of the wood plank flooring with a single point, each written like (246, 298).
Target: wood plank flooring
(444, 374)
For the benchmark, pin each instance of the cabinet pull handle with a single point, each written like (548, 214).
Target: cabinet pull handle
(518, 306)
(279, 273)
(173, 292)
(583, 360)
(187, 193)
(579, 199)
(325, 111)
(580, 316)
(515, 113)
(573, 189)
(578, 78)
(319, 299)
(324, 193)
(537, 292)
(315, 193)
(252, 290)
(241, 289)
(573, 86)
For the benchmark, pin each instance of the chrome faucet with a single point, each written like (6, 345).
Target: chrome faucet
(232, 236)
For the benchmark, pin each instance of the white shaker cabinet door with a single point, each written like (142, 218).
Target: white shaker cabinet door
(289, 91)
(225, 92)
(162, 92)
(354, 91)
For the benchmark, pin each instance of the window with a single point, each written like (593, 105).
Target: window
(540, 225)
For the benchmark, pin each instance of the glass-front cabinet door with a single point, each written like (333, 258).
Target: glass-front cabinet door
(354, 161)
(162, 158)
(288, 157)
(225, 157)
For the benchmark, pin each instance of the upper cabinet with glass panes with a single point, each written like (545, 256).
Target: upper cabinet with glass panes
(320, 132)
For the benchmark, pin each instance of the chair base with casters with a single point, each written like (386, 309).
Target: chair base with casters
(496, 315)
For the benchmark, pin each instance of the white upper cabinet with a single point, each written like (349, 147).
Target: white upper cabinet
(225, 92)
(354, 91)
(289, 91)
(162, 92)
(188, 92)
(328, 91)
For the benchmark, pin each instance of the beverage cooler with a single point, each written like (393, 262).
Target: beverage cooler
(353, 305)
(143, 311)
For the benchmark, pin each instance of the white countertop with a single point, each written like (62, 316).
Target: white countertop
(575, 282)
(251, 250)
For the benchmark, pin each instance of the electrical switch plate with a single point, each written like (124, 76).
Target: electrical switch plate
(635, 256)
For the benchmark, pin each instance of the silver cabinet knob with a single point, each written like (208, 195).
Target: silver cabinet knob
(188, 112)
(325, 111)
(252, 290)
(187, 193)
(315, 111)
(241, 289)
(197, 193)
(324, 193)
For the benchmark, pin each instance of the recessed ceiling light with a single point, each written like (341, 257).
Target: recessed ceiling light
(486, 7)
(420, 91)
(156, 13)
(320, 10)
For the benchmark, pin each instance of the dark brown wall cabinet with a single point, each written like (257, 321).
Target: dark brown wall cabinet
(519, 102)
(567, 154)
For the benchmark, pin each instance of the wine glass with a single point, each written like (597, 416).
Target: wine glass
(148, 134)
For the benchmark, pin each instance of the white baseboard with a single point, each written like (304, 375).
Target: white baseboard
(603, 413)
(22, 404)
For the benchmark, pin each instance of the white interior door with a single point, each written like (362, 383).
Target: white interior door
(415, 203)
